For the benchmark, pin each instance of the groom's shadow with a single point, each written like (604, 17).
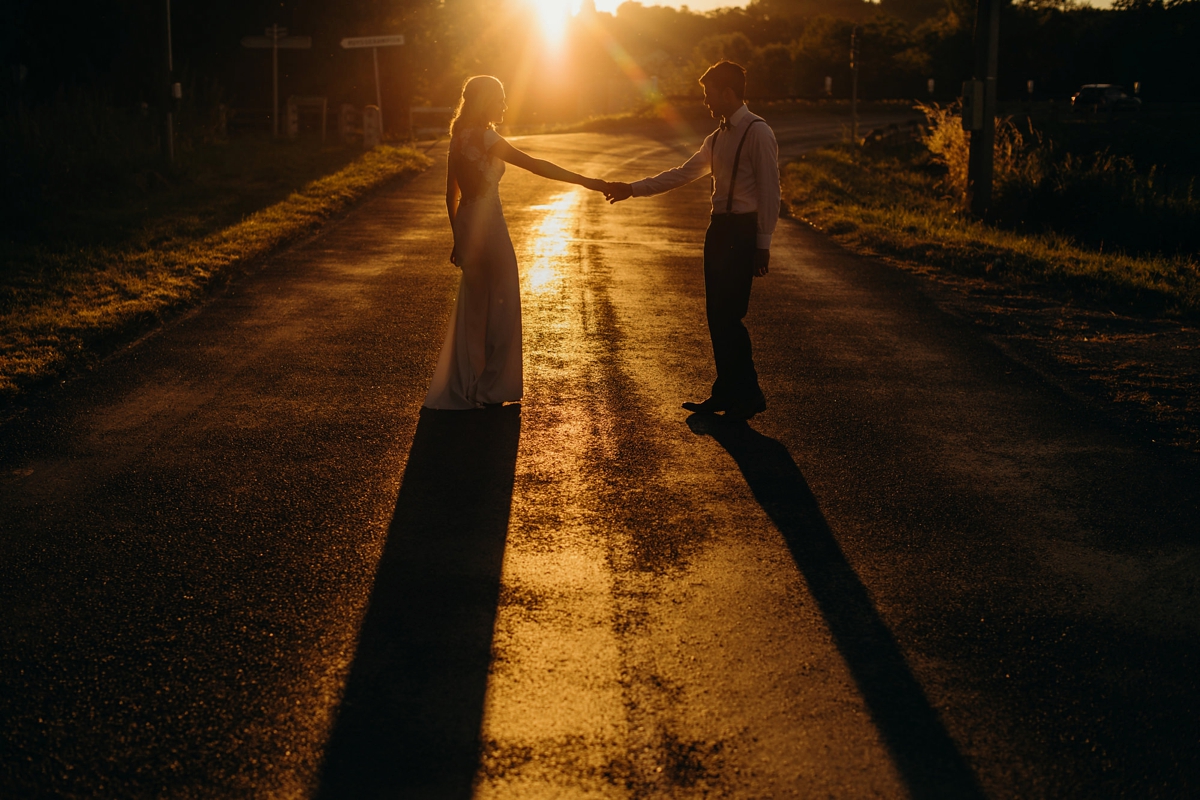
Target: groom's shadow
(923, 752)
(410, 719)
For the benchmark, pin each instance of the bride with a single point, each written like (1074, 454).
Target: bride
(480, 362)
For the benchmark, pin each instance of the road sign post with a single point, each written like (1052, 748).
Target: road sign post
(374, 42)
(854, 86)
(378, 96)
(276, 37)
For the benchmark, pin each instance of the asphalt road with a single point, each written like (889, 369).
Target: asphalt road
(239, 560)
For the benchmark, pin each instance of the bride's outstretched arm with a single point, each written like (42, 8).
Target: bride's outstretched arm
(546, 169)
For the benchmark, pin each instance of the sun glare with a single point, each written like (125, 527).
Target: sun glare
(553, 16)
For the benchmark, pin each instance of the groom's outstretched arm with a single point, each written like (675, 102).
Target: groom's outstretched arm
(694, 168)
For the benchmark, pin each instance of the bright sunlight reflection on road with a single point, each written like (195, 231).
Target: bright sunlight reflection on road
(550, 242)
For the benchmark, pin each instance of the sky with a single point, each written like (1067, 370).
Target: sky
(694, 5)
(708, 5)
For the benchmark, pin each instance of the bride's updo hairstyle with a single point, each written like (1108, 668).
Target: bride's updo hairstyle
(478, 95)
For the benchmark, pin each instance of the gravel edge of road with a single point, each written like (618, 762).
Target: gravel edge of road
(1037, 330)
(1123, 365)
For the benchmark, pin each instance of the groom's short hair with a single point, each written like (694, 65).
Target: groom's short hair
(726, 75)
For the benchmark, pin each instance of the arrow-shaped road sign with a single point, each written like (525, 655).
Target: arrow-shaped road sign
(372, 41)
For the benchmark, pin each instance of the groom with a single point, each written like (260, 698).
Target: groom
(743, 158)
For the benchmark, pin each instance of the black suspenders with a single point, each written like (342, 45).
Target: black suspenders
(737, 159)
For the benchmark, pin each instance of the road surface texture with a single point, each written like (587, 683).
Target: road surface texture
(240, 561)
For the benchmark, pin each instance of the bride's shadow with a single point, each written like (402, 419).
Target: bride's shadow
(922, 750)
(409, 722)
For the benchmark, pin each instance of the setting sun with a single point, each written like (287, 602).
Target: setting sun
(553, 16)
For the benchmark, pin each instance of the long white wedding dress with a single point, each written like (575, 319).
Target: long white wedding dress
(480, 360)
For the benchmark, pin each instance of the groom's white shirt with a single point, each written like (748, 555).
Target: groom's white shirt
(757, 187)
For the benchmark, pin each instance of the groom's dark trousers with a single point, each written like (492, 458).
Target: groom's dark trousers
(729, 250)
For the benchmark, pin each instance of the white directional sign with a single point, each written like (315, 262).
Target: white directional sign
(372, 41)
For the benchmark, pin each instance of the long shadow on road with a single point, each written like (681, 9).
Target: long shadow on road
(925, 755)
(409, 722)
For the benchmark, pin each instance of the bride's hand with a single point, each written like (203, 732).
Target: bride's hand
(454, 256)
(595, 184)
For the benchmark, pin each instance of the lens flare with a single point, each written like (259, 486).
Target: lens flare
(646, 86)
(553, 16)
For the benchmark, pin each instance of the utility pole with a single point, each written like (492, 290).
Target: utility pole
(378, 96)
(170, 94)
(983, 131)
(854, 86)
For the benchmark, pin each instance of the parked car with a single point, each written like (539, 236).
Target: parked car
(1103, 97)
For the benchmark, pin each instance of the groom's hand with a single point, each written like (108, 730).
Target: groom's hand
(616, 192)
(762, 258)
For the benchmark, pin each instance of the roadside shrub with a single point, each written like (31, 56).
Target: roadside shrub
(950, 146)
(1104, 202)
(1100, 199)
(884, 201)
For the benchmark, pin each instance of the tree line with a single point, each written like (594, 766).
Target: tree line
(606, 60)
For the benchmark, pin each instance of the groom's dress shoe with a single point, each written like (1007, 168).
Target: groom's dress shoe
(710, 406)
(746, 409)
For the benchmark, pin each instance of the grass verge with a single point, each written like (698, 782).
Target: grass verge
(888, 202)
(95, 269)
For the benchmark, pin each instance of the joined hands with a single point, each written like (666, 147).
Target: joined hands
(614, 192)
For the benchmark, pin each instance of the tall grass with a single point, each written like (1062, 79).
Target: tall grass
(81, 147)
(1100, 199)
(68, 153)
(81, 137)
(887, 201)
